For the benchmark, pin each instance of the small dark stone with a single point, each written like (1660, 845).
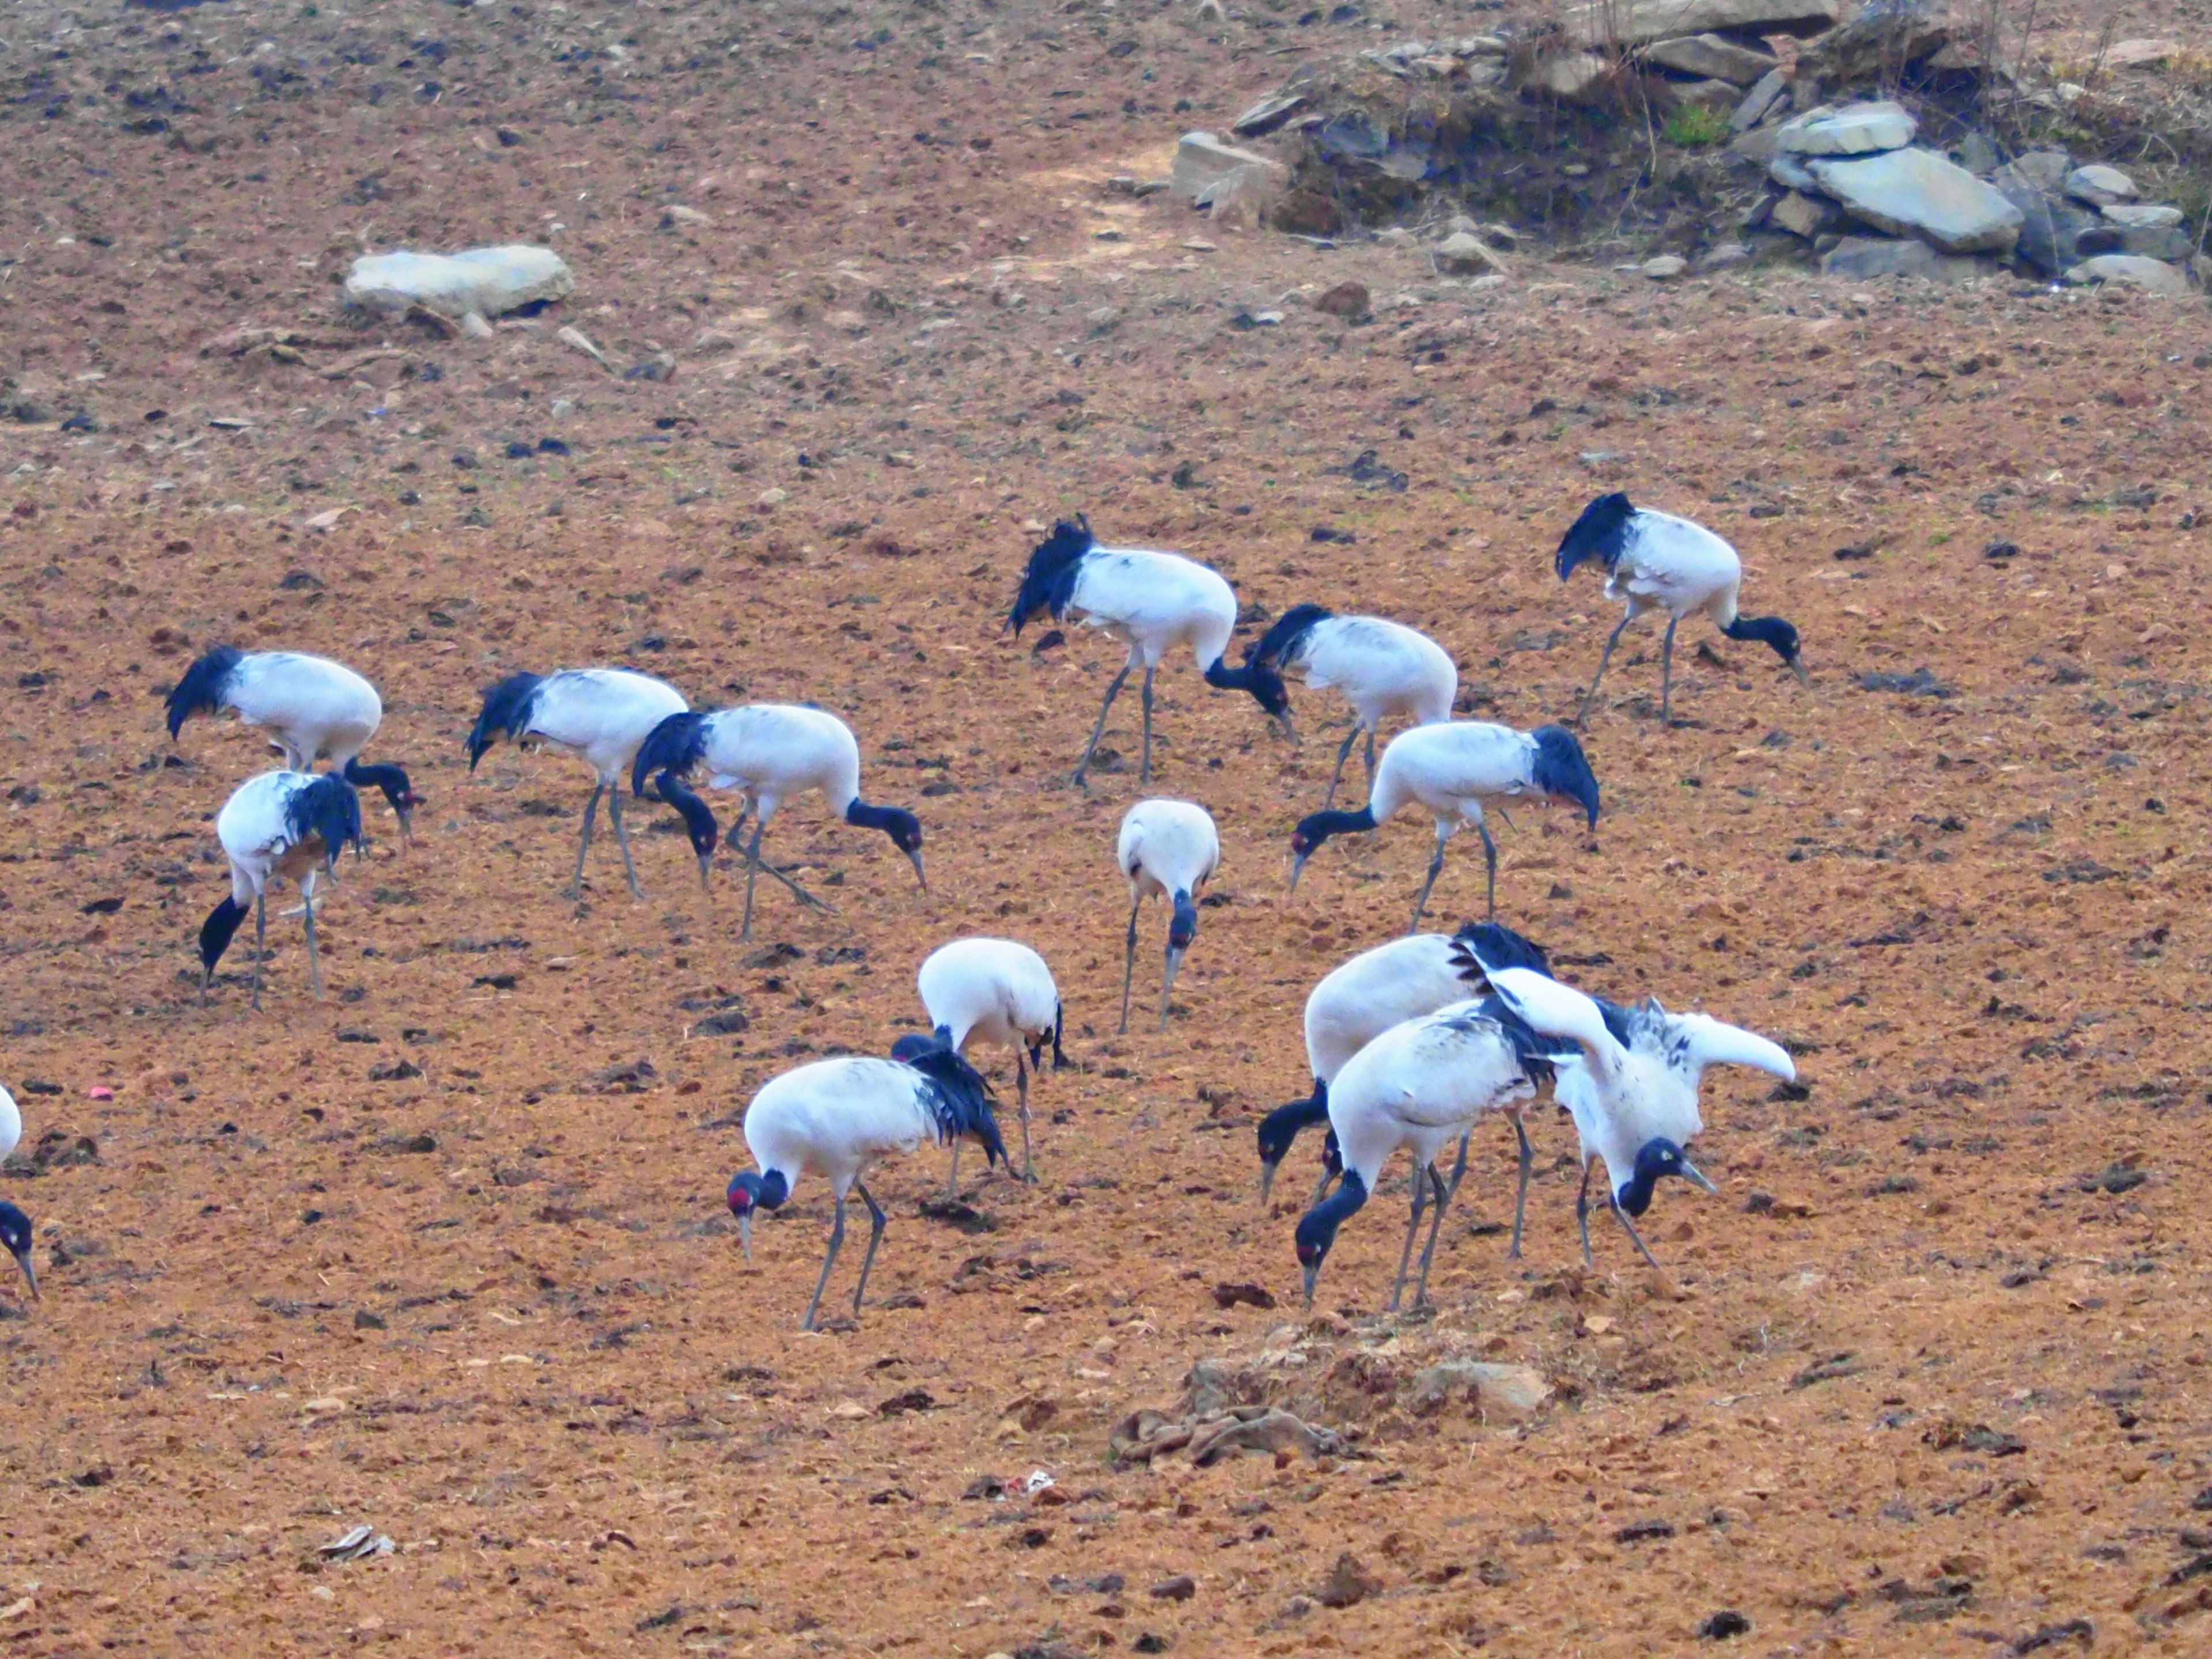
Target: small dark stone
(1639, 1532)
(309, 1217)
(1181, 1588)
(1228, 1296)
(364, 1321)
(1719, 1627)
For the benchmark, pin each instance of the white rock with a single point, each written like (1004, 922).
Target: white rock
(1854, 130)
(1665, 268)
(1805, 216)
(1463, 254)
(2142, 216)
(1202, 160)
(1639, 22)
(1573, 78)
(487, 280)
(2100, 186)
(1715, 57)
(2138, 54)
(688, 216)
(2132, 270)
(1724, 256)
(1917, 192)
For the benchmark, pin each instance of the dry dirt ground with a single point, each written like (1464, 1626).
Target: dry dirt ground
(445, 1254)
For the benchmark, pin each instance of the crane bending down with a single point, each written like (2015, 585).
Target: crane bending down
(772, 752)
(1167, 847)
(1381, 667)
(1003, 994)
(1655, 562)
(1149, 602)
(839, 1118)
(601, 714)
(312, 707)
(1453, 769)
(291, 825)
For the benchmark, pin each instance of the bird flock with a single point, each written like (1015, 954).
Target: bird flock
(1408, 1044)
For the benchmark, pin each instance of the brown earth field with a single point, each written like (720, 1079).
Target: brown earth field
(444, 1254)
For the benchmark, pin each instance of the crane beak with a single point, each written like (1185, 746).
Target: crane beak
(406, 816)
(704, 860)
(1312, 1278)
(1167, 983)
(915, 859)
(1289, 732)
(1797, 667)
(1298, 868)
(745, 1234)
(1696, 1177)
(30, 1274)
(1267, 1182)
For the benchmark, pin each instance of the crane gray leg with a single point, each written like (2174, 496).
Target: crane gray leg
(953, 1180)
(260, 943)
(752, 869)
(875, 1237)
(1521, 1193)
(1350, 737)
(1128, 966)
(1022, 1093)
(1634, 1237)
(1582, 1212)
(1099, 724)
(1489, 863)
(622, 840)
(1666, 698)
(1428, 1250)
(829, 1261)
(1459, 1169)
(1604, 657)
(584, 842)
(314, 967)
(1145, 770)
(1436, 864)
(1167, 982)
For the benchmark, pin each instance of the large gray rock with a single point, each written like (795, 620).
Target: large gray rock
(1917, 193)
(1806, 216)
(1575, 78)
(1859, 259)
(1791, 172)
(2156, 232)
(2144, 215)
(2045, 169)
(1640, 22)
(1854, 130)
(1875, 45)
(1759, 100)
(1713, 57)
(2132, 270)
(2054, 235)
(1202, 160)
(2100, 186)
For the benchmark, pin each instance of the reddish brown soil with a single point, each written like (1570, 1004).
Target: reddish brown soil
(1917, 1339)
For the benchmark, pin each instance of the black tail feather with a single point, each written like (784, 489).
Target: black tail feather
(1279, 646)
(329, 808)
(1049, 582)
(1480, 946)
(204, 686)
(677, 745)
(960, 1098)
(1601, 532)
(506, 712)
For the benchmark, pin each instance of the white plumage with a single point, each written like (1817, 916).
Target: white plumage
(839, 1117)
(771, 753)
(311, 706)
(1167, 847)
(1383, 668)
(1149, 601)
(287, 824)
(11, 1124)
(1001, 992)
(1630, 1081)
(601, 714)
(1419, 1085)
(1655, 561)
(1453, 770)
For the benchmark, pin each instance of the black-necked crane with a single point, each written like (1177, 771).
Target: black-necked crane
(311, 706)
(1167, 847)
(839, 1118)
(601, 714)
(772, 752)
(1628, 1075)
(1382, 668)
(15, 1236)
(1000, 992)
(287, 824)
(1454, 769)
(1419, 1085)
(1149, 601)
(1655, 561)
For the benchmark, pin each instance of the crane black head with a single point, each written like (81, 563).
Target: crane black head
(1280, 1129)
(215, 934)
(505, 713)
(915, 1044)
(1048, 583)
(1600, 533)
(1655, 1159)
(1316, 828)
(1317, 1227)
(15, 1234)
(393, 781)
(901, 825)
(1259, 677)
(1774, 632)
(751, 1190)
(204, 686)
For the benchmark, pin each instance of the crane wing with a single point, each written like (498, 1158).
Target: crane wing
(1554, 1009)
(1710, 1041)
